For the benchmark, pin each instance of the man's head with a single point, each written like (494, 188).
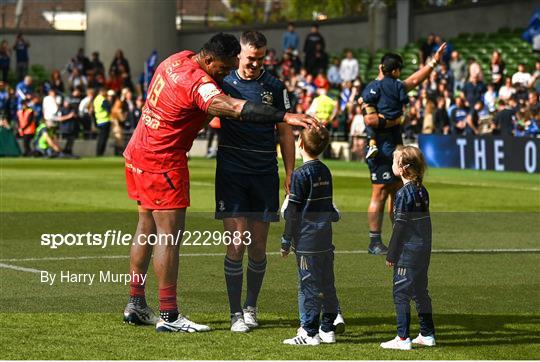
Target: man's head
(391, 64)
(349, 54)
(454, 55)
(219, 55)
(314, 28)
(533, 98)
(290, 27)
(252, 53)
(28, 80)
(521, 68)
(314, 141)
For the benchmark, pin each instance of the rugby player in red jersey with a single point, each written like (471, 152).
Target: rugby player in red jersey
(182, 93)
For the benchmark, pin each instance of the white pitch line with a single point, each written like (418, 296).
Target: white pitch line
(435, 251)
(19, 268)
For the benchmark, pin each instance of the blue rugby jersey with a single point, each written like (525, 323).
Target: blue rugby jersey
(310, 211)
(388, 95)
(410, 244)
(245, 147)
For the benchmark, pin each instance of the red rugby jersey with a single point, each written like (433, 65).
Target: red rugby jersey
(178, 97)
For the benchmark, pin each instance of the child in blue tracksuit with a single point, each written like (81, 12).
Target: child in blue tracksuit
(409, 250)
(308, 230)
(387, 95)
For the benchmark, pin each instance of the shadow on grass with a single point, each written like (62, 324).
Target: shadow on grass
(451, 329)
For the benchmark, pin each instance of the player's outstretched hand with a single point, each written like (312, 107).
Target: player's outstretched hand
(301, 120)
(439, 53)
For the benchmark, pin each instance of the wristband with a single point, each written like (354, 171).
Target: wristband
(432, 63)
(261, 113)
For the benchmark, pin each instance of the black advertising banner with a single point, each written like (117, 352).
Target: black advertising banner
(482, 152)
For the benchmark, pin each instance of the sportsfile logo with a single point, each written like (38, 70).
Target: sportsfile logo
(119, 238)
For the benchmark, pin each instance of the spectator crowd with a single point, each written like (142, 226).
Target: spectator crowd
(84, 99)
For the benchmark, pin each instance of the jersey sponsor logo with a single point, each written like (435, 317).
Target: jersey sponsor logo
(286, 101)
(208, 90)
(372, 91)
(386, 176)
(267, 98)
(150, 122)
(374, 176)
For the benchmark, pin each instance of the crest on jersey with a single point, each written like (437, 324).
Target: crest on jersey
(267, 98)
(221, 205)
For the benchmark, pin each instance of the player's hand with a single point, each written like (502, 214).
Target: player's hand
(285, 247)
(301, 120)
(287, 183)
(439, 53)
(389, 264)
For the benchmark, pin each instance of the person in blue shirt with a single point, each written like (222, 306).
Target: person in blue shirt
(384, 183)
(388, 94)
(291, 40)
(24, 90)
(247, 180)
(21, 56)
(409, 250)
(309, 215)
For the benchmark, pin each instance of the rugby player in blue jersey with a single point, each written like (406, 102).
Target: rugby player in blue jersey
(247, 180)
(387, 136)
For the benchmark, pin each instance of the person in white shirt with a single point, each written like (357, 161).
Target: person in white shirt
(522, 76)
(348, 70)
(506, 91)
(50, 106)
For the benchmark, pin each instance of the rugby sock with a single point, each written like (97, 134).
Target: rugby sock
(234, 276)
(375, 237)
(137, 294)
(255, 276)
(168, 308)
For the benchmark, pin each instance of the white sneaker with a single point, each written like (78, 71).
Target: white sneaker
(398, 343)
(250, 317)
(372, 152)
(428, 341)
(134, 314)
(302, 339)
(327, 337)
(339, 323)
(182, 324)
(238, 325)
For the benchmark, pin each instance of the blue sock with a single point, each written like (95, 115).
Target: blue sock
(234, 276)
(375, 237)
(255, 276)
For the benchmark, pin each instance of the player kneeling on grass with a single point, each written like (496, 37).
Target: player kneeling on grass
(308, 230)
(410, 250)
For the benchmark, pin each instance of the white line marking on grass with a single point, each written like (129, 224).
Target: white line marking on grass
(19, 268)
(435, 251)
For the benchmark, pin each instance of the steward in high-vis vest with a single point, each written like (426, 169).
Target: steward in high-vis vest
(44, 140)
(102, 114)
(27, 126)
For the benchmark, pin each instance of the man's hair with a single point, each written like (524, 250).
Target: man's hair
(222, 46)
(413, 163)
(254, 38)
(315, 140)
(391, 62)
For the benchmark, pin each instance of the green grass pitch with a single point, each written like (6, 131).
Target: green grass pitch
(486, 305)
